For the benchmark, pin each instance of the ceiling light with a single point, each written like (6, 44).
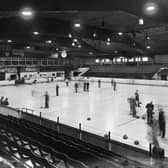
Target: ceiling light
(120, 33)
(26, 13)
(141, 21)
(75, 40)
(64, 54)
(77, 25)
(107, 60)
(73, 44)
(36, 33)
(70, 35)
(108, 39)
(90, 53)
(49, 41)
(147, 38)
(28, 47)
(94, 35)
(148, 46)
(151, 8)
(116, 52)
(9, 41)
(97, 60)
(108, 43)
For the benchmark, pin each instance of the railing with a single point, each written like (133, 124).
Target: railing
(10, 61)
(125, 69)
(100, 138)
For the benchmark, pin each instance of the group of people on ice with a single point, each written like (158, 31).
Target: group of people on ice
(161, 119)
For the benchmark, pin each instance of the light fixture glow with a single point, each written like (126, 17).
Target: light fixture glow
(90, 53)
(151, 8)
(27, 13)
(70, 35)
(108, 43)
(64, 54)
(116, 52)
(148, 46)
(77, 25)
(147, 38)
(36, 33)
(107, 60)
(97, 60)
(49, 41)
(120, 33)
(75, 40)
(141, 21)
(28, 47)
(9, 41)
(79, 46)
(73, 44)
(108, 39)
(94, 35)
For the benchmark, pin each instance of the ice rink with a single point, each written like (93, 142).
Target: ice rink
(108, 110)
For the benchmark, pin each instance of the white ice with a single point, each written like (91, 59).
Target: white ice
(108, 110)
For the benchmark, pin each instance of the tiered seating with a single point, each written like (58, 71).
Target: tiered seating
(123, 71)
(47, 148)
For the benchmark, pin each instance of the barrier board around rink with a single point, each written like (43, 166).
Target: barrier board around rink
(105, 143)
(131, 81)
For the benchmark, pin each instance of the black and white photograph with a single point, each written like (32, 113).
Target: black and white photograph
(84, 84)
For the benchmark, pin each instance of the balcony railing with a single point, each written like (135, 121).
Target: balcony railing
(10, 61)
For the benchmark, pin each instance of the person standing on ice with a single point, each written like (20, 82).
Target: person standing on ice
(162, 123)
(149, 110)
(99, 83)
(46, 96)
(132, 104)
(137, 98)
(76, 87)
(57, 90)
(114, 85)
(112, 82)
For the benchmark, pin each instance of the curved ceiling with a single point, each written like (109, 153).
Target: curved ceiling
(100, 21)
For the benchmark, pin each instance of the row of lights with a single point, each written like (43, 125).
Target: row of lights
(122, 60)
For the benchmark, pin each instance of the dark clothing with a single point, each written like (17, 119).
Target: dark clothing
(114, 86)
(76, 88)
(137, 99)
(99, 83)
(46, 101)
(87, 86)
(132, 103)
(84, 86)
(112, 82)
(57, 90)
(162, 124)
(6, 103)
(149, 111)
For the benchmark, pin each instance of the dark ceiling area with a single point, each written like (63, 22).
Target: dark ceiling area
(100, 24)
